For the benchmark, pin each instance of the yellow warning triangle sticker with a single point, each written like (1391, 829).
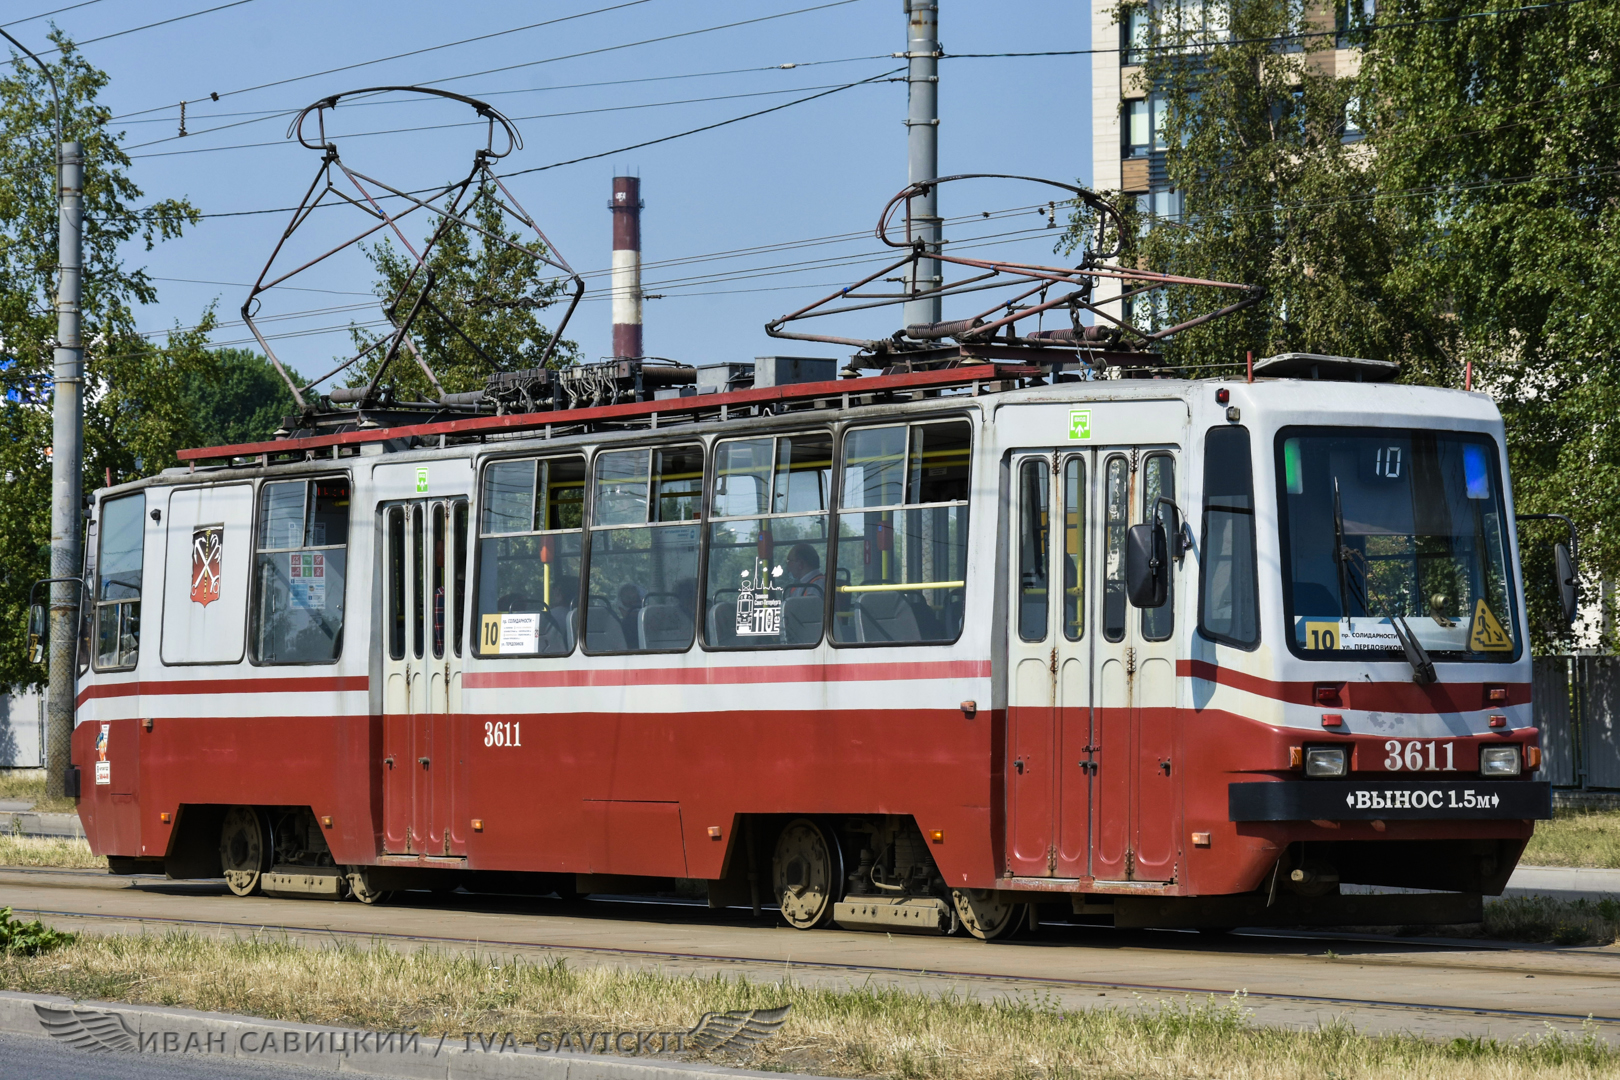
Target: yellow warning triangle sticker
(1487, 634)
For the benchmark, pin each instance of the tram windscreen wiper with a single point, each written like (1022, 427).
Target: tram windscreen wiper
(1422, 667)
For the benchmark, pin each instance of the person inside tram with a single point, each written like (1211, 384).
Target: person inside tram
(804, 567)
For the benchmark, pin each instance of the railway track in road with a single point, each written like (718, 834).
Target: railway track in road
(1448, 988)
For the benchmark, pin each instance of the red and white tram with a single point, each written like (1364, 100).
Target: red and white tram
(901, 652)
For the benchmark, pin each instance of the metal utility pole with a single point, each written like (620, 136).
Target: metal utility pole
(626, 281)
(67, 457)
(922, 143)
(67, 444)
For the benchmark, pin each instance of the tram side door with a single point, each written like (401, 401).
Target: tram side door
(1135, 809)
(1049, 723)
(424, 734)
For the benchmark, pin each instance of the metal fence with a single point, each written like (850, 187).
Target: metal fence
(1577, 707)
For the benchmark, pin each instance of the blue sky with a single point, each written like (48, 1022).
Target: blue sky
(814, 171)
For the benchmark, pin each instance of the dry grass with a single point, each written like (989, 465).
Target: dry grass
(867, 1032)
(1576, 838)
(29, 785)
(47, 851)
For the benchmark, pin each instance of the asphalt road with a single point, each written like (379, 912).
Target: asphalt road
(25, 1058)
(1440, 987)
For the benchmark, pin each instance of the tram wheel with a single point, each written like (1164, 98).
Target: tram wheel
(985, 914)
(244, 849)
(361, 888)
(807, 874)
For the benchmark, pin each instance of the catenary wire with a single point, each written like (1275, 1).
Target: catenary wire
(259, 115)
(481, 123)
(149, 26)
(534, 63)
(46, 14)
(412, 52)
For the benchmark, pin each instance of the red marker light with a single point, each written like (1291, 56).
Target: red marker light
(1332, 719)
(1222, 396)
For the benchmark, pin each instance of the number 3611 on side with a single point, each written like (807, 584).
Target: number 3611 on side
(503, 733)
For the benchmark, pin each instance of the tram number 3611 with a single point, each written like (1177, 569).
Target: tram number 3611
(1419, 756)
(503, 733)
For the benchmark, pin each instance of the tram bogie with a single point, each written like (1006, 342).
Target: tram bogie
(914, 652)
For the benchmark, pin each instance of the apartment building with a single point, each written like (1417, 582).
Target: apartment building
(1127, 118)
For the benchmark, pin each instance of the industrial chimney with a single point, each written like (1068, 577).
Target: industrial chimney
(626, 288)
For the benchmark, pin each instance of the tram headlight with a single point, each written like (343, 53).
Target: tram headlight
(1500, 761)
(1326, 761)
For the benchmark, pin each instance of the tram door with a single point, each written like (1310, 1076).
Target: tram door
(1134, 781)
(1049, 693)
(424, 737)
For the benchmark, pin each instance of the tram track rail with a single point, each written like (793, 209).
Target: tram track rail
(1603, 966)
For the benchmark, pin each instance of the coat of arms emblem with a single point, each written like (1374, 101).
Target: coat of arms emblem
(206, 543)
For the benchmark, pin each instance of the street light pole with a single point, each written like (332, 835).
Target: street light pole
(67, 468)
(922, 144)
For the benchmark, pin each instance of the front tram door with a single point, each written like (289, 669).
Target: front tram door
(1049, 693)
(424, 737)
(1134, 805)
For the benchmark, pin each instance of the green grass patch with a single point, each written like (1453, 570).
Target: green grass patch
(868, 1031)
(1576, 838)
(1561, 922)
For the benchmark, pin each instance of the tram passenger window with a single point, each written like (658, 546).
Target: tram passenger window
(1228, 592)
(458, 578)
(642, 594)
(1159, 479)
(529, 557)
(299, 571)
(118, 581)
(1034, 549)
(902, 534)
(767, 585)
(396, 583)
(1117, 507)
(1074, 549)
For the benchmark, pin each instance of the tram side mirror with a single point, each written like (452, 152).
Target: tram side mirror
(1567, 582)
(1147, 570)
(36, 633)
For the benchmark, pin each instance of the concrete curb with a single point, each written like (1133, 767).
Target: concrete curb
(186, 1033)
(54, 826)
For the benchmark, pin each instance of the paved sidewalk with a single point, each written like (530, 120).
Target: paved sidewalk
(1563, 882)
(20, 818)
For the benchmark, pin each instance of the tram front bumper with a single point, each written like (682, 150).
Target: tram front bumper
(1389, 800)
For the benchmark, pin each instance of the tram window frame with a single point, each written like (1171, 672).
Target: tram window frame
(1074, 496)
(663, 507)
(1034, 499)
(1234, 479)
(544, 511)
(1159, 623)
(311, 528)
(125, 610)
(912, 485)
(779, 489)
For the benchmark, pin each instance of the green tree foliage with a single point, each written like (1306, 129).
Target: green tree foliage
(1473, 223)
(244, 402)
(135, 390)
(1498, 137)
(491, 292)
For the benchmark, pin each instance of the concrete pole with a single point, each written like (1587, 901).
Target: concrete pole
(922, 143)
(67, 458)
(626, 281)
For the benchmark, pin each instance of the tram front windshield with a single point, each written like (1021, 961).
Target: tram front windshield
(1391, 526)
